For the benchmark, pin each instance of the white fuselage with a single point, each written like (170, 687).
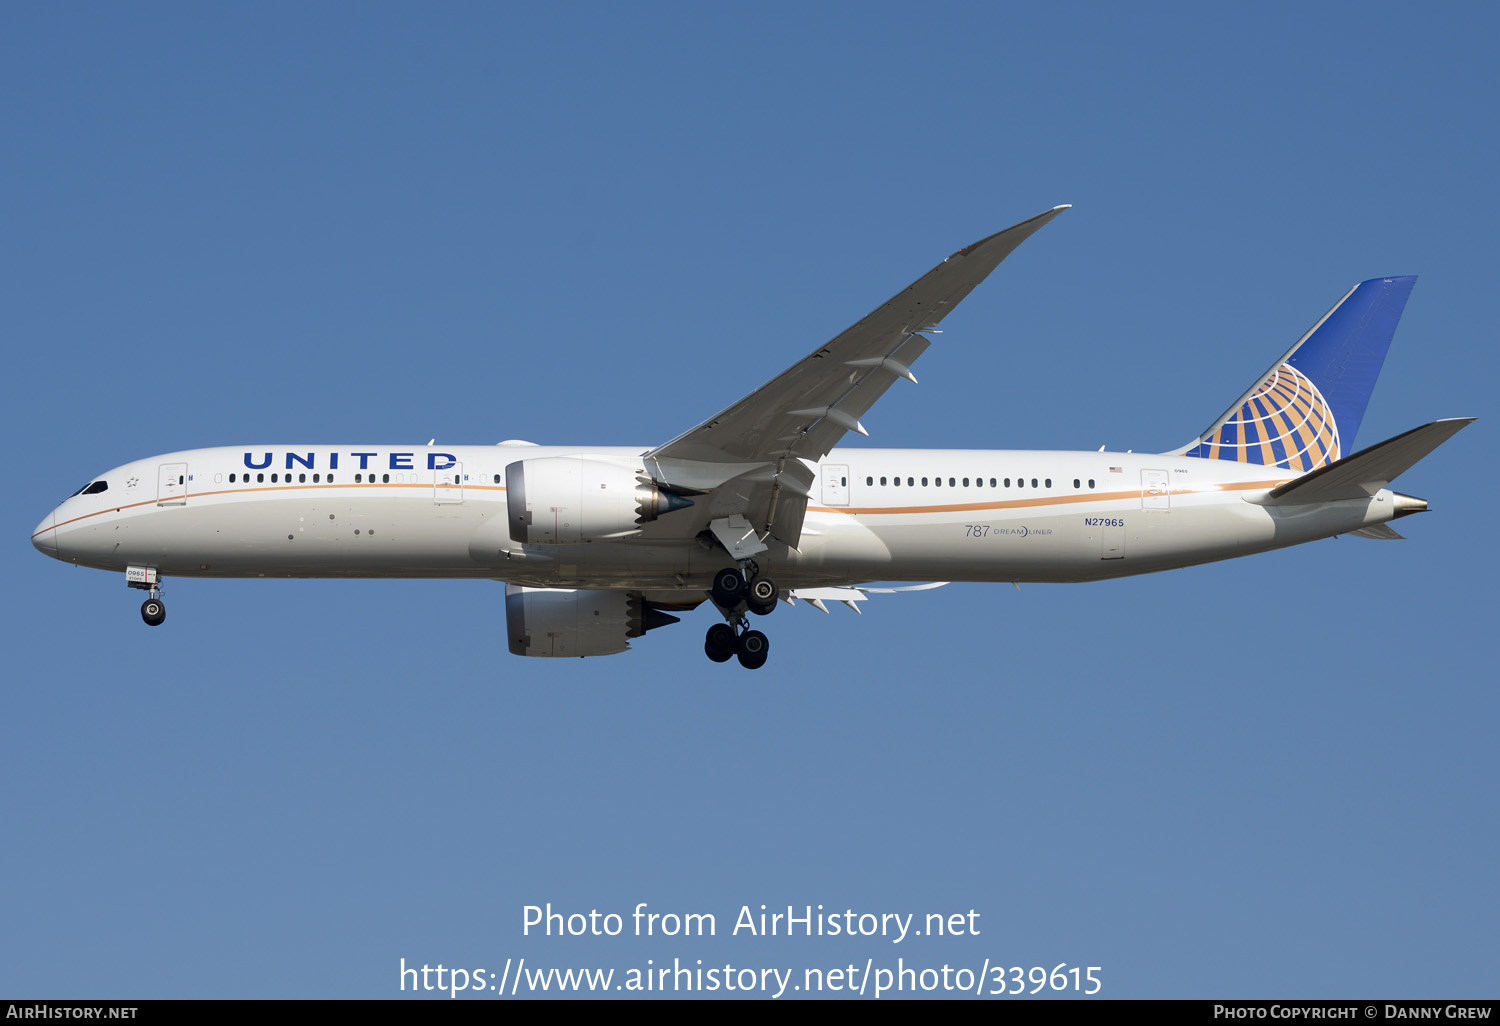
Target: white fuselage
(420, 511)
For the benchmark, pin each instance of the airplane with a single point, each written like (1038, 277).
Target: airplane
(597, 545)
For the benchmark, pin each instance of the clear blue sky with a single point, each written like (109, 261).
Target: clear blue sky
(601, 223)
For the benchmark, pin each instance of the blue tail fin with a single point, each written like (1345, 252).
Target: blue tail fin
(1304, 412)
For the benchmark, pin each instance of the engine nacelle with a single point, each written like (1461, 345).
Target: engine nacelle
(564, 501)
(558, 623)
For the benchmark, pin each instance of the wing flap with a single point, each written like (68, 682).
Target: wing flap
(850, 595)
(1380, 532)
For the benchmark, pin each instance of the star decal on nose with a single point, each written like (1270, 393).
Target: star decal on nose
(132, 482)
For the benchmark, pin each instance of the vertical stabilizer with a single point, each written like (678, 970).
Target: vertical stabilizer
(1304, 412)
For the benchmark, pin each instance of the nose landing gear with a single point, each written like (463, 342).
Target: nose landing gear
(153, 610)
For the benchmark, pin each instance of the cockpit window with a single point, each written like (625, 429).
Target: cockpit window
(95, 488)
(80, 491)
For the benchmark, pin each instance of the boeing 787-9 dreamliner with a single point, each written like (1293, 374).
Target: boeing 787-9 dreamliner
(599, 544)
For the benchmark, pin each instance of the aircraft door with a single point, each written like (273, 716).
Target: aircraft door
(1156, 490)
(171, 484)
(835, 485)
(448, 485)
(1112, 540)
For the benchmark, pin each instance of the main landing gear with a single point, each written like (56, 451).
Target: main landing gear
(733, 594)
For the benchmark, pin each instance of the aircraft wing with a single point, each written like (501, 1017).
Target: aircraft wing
(803, 412)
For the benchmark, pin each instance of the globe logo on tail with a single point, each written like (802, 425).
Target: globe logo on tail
(1285, 423)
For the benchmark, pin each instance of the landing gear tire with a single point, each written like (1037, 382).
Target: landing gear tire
(153, 611)
(752, 648)
(762, 593)
(729, 588)
(719, 645)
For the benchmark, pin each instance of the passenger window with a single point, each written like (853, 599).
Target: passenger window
(896, 482)
(273, 478)
(882, 482)
(1033, 482)
(385, 479)
(259, 478)
(231, 479)
(966, 482)
(497, 478)
(315, 478)
(951, 484)
(1075, 482)
(1091, 482)
(924, 482)
(302, 479)
(1049, 482)
(869, 480)
(937, 482)
(911, 482)
(1007, 482)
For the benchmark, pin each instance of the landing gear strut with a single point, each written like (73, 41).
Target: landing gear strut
(733, 594)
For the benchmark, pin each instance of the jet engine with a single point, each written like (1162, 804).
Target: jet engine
(563, 501)
(553, 622)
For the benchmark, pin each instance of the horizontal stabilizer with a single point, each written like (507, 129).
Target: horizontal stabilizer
(1369, 470)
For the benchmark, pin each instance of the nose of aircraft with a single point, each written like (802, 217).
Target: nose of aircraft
(45, 535)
